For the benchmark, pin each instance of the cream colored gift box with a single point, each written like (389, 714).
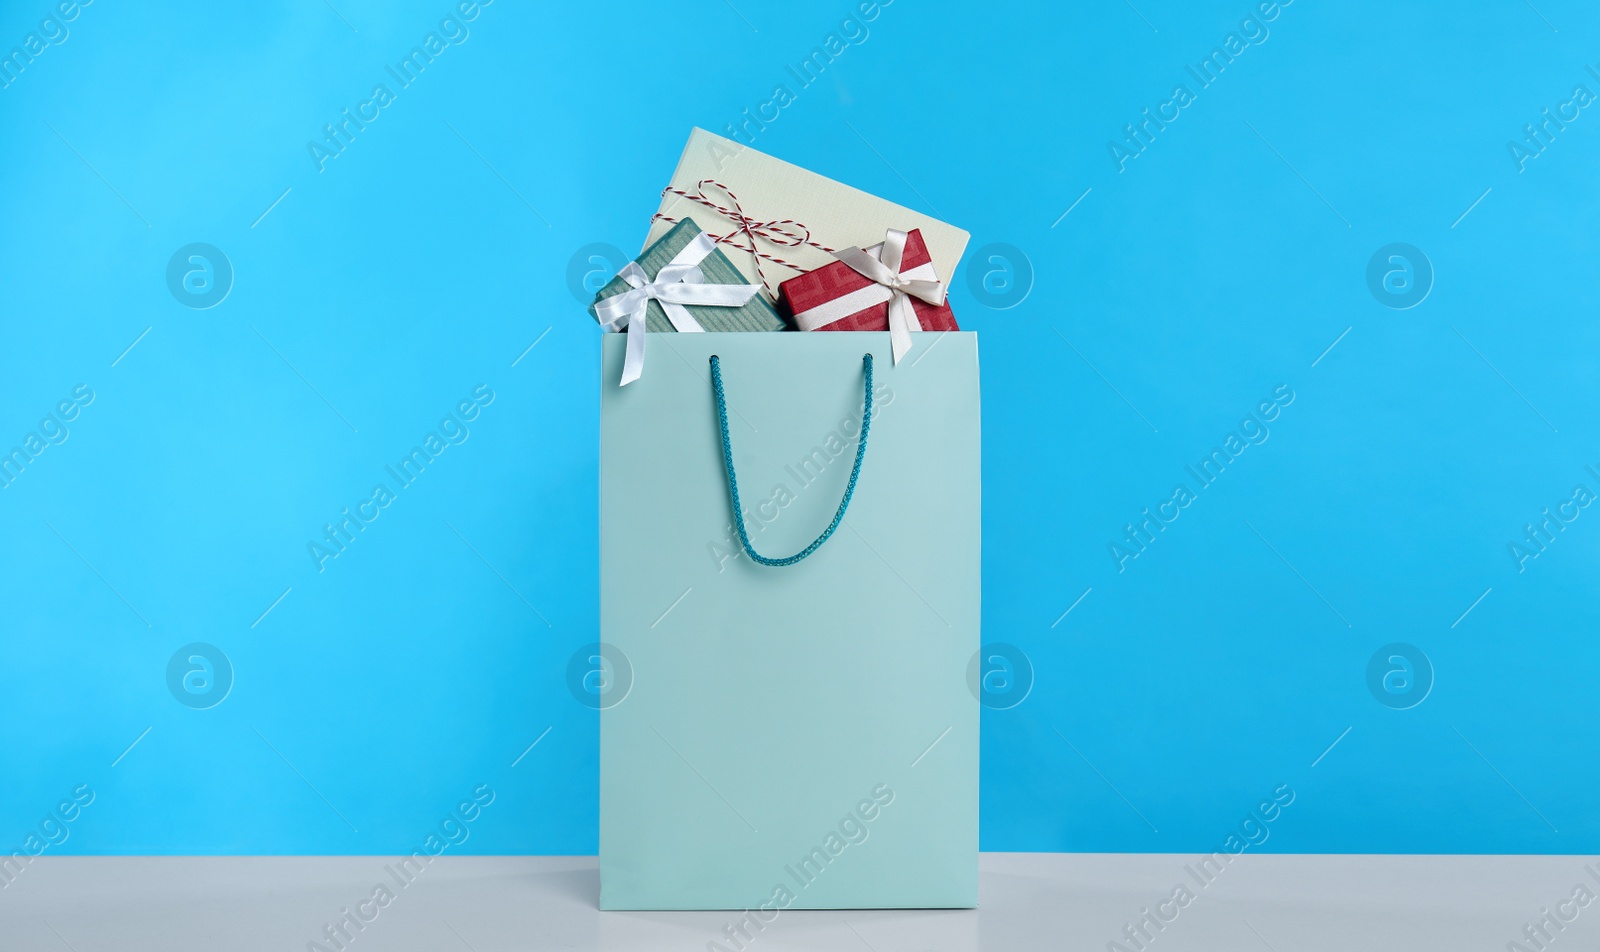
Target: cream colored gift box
(787, 214)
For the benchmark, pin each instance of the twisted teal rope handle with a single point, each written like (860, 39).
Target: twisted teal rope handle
(733, 481)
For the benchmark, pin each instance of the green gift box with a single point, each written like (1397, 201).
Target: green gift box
(756, 314)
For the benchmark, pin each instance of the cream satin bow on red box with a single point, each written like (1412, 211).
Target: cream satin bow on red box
(881, 266)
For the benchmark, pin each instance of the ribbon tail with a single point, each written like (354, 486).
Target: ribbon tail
(633, 361)
(930, 291)
(902, 320)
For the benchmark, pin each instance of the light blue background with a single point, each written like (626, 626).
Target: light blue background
(1221, 263)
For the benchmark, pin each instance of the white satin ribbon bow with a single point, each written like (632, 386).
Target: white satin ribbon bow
(678, 283)
(883, 269)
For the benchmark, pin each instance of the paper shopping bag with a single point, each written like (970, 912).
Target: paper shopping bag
(799, 736)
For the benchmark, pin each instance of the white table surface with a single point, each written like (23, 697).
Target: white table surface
(1028, 901)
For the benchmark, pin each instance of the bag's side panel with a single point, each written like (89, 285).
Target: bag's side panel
(798, 737)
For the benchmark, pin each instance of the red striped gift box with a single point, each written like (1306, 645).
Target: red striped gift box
(838, 298)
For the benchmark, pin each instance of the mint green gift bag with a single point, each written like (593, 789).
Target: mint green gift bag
(796, 736)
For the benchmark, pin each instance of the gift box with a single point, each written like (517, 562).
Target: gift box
(891, 286)
(776, 220)
(756, 314)
(680, 283)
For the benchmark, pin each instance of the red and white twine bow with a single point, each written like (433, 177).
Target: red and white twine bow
(747, 231)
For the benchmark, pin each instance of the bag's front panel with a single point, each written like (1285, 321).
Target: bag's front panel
(796, 737)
